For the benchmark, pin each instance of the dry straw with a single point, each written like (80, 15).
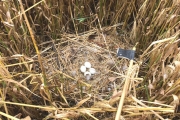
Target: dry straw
(43, 44)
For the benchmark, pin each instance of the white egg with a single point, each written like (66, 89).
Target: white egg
(87, 75)
(87, 64)
(83, 68)
(92, 70)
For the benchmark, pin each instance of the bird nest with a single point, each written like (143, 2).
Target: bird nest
(63, 59)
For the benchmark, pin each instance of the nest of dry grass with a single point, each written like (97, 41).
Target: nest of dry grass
(62, 66)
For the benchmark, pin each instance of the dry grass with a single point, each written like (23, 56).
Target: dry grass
(44, 43)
